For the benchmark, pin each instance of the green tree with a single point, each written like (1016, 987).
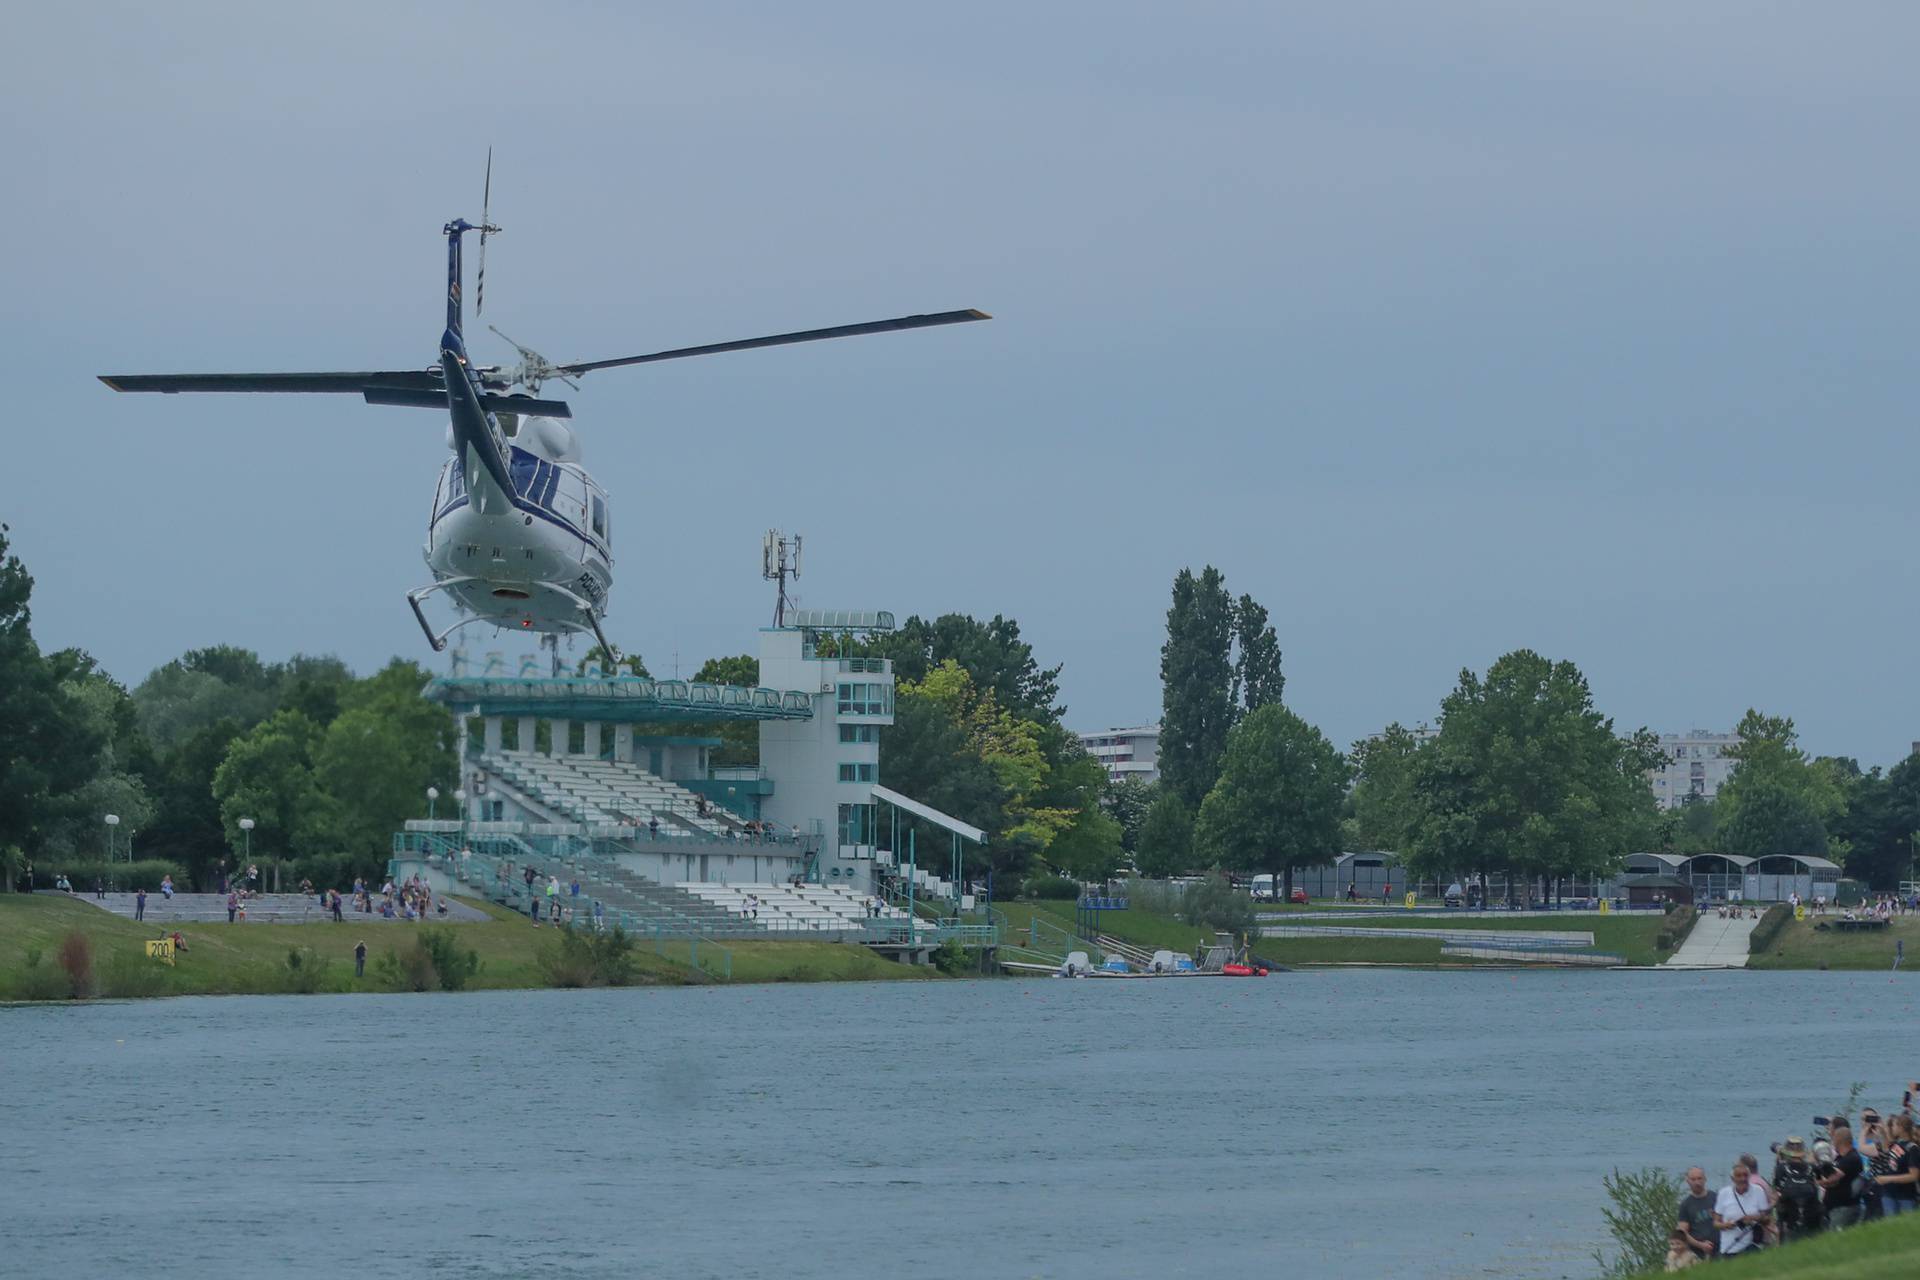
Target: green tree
(739, 739)
(926, 754)
(1385, 810)
(1257, 679)
(1089, 849)
(49, 744)
(1277, 803)
(1196, 677)
(1165, 848)
(268, 776)
(630, 663)
(1128, 801)
(1777, 800)
(992, 654)
(1528, 778)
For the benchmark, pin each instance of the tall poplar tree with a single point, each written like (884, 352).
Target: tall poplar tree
(1196, 674)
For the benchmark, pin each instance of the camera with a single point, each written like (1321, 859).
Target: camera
(1821, 1122)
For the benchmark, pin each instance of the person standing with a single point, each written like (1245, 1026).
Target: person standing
(1841, 1199)
(1696, 1215)
(336, 904)
(1900, 1188)
(359, 958)
(1740, 1213)
(233, 904)
(140, 905)
(1799, 1193)
(100, 888)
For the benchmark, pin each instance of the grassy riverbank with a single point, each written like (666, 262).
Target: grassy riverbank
(246, 959)
(1633, 936)
(1801, 946)
(1884, 1250)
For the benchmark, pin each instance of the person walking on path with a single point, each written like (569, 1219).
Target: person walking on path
(140, 905)
(233, 904)
(359, 958)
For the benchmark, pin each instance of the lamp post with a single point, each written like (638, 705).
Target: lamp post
(460, 798)
(246, 825)
(433, 794)
(113, 820)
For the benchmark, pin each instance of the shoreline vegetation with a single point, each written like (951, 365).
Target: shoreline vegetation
(508, 953)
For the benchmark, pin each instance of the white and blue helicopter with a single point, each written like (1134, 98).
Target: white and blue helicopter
(520, 535)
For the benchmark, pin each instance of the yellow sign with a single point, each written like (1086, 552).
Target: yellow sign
(1799, 913)
(1606, 907)
(1411, 899)
(162, 949)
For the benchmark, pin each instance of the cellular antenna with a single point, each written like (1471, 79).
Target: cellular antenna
(780, 560)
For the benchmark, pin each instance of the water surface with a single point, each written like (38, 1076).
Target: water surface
(1345, 1123)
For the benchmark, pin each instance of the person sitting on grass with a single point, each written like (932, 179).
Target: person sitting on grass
(179, 943)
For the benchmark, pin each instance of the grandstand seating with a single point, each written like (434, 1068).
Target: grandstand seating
(786, 908)
(607, 792)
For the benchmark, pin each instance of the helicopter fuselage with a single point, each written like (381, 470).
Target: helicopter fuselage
(538, 558)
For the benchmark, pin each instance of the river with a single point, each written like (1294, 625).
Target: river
(1338, 1123)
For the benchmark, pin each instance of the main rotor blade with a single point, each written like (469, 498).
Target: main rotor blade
(355, 383)
(782, 339)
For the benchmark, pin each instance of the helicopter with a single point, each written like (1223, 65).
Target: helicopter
(520, 534)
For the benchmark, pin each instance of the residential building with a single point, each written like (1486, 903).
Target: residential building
(1126, 753)
(1698, 763)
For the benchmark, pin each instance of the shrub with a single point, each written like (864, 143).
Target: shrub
(39, 981)
(568, 960)
(1639, 1221)
(613, 957)
(130, 975)
(1053, 888)
(454, 966)
(307, 971)
(1768, 931)
(408, 970)
(1674, 927)
(1214, 904)
(121, 877)
(952, 959)
(76, 960)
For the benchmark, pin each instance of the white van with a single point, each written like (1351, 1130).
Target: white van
(1264, 889)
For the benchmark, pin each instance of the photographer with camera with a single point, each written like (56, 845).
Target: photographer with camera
(1797, 1184)
(1900, 1188)
(1842, 1187)
(1741, 1213)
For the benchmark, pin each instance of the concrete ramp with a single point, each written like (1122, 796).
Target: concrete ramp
(1714, 943)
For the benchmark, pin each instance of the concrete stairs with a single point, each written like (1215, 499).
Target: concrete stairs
(1714, 943)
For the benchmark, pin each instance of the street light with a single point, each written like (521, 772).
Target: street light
(433, 794)
(113, 820)
(460, 798)
(246, 825)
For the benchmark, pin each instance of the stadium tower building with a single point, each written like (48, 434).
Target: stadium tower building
(610, 779)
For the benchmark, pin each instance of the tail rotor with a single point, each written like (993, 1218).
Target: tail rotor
(486, 228)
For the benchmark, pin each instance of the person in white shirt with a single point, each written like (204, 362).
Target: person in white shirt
(1740, 1212)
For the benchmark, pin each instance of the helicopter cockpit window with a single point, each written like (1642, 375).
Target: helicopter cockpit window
(599, 517)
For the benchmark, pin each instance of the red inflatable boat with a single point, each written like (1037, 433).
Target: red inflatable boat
(1243, 971)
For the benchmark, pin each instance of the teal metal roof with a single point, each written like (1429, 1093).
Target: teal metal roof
(622, 699)
(841, 619)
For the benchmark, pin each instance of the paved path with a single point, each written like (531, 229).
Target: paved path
(269, 908)
(1714, 943)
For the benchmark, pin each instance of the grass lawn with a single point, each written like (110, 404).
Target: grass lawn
(1801, 946)
(1885, 1250)
(251, 958)
(1630, 936)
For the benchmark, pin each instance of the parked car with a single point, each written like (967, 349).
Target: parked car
(1300, 896)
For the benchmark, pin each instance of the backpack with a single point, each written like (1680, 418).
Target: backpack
(1794, 1180)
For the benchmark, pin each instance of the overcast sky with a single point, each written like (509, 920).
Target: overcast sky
(1442, 329)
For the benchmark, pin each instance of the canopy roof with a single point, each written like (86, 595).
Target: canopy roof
(620, 699)
(965, 831)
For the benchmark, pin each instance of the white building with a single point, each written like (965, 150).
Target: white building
(1126, 753)
(1697, 764)
(827, 765)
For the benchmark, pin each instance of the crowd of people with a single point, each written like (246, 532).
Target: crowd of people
(1845, 1176)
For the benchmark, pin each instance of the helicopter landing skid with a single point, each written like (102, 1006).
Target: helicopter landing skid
(414, 597)
(593, 621)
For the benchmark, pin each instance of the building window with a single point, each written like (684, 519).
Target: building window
(859, 733)
(856, 824)
(856, 773)
(863, 699)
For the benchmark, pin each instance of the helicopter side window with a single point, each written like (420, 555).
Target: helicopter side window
(599, 517)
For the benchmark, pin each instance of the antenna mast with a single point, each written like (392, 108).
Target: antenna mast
(780, 560)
